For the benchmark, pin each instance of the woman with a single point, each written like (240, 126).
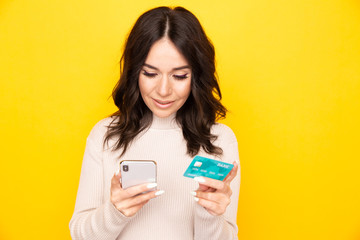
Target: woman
(168, 101)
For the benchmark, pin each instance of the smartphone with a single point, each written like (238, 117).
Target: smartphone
(135, 172)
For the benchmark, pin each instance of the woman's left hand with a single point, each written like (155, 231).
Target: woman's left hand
(214, 195)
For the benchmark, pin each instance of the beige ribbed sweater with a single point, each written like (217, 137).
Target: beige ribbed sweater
(172, 216)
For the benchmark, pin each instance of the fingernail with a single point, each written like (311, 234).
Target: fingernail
(117, 171)
(196, 199)
(151, 185)
(158, 193)
(199, 179)
(193, 193)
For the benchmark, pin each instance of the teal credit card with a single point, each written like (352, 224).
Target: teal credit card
(206, 167)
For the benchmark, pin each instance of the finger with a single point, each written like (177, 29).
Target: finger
(115, 181)
(212, 207)
(232, 174)
(219, 198)
(119, 194)
(203, 188)
(141, 188)
(209, 182)
(137, 200)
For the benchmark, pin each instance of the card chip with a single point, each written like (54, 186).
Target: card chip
(198, 164)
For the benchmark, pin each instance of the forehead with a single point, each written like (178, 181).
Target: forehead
(165, 56)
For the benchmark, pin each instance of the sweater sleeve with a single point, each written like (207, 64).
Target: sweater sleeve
(221, 227)
(93, 217)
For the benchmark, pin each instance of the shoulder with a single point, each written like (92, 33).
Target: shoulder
(224, 133)
(99, 130)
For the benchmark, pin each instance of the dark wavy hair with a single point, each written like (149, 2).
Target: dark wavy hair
(201, 109)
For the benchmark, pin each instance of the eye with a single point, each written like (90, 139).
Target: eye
(150, 75)
(181, 77)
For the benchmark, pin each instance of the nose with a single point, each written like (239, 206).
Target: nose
(164, 86)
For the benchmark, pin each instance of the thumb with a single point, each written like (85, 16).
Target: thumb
(115, 181)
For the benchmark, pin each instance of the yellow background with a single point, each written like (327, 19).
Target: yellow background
(289, 72)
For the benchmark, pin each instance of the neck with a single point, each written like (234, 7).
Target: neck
(164, 123)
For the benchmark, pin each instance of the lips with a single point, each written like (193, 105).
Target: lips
(163, 104)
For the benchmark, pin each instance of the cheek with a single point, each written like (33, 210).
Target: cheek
(143, 86)
(186, 89)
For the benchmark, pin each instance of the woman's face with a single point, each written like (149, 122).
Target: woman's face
(165, 79)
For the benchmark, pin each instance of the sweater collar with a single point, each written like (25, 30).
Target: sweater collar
(164, 123)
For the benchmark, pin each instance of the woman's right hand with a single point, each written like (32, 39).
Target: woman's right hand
(129, 201)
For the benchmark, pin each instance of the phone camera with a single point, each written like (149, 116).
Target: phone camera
(125, 168)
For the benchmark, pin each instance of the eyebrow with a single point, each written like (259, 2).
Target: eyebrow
(177, 68)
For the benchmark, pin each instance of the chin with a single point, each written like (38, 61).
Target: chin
(162, 115)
